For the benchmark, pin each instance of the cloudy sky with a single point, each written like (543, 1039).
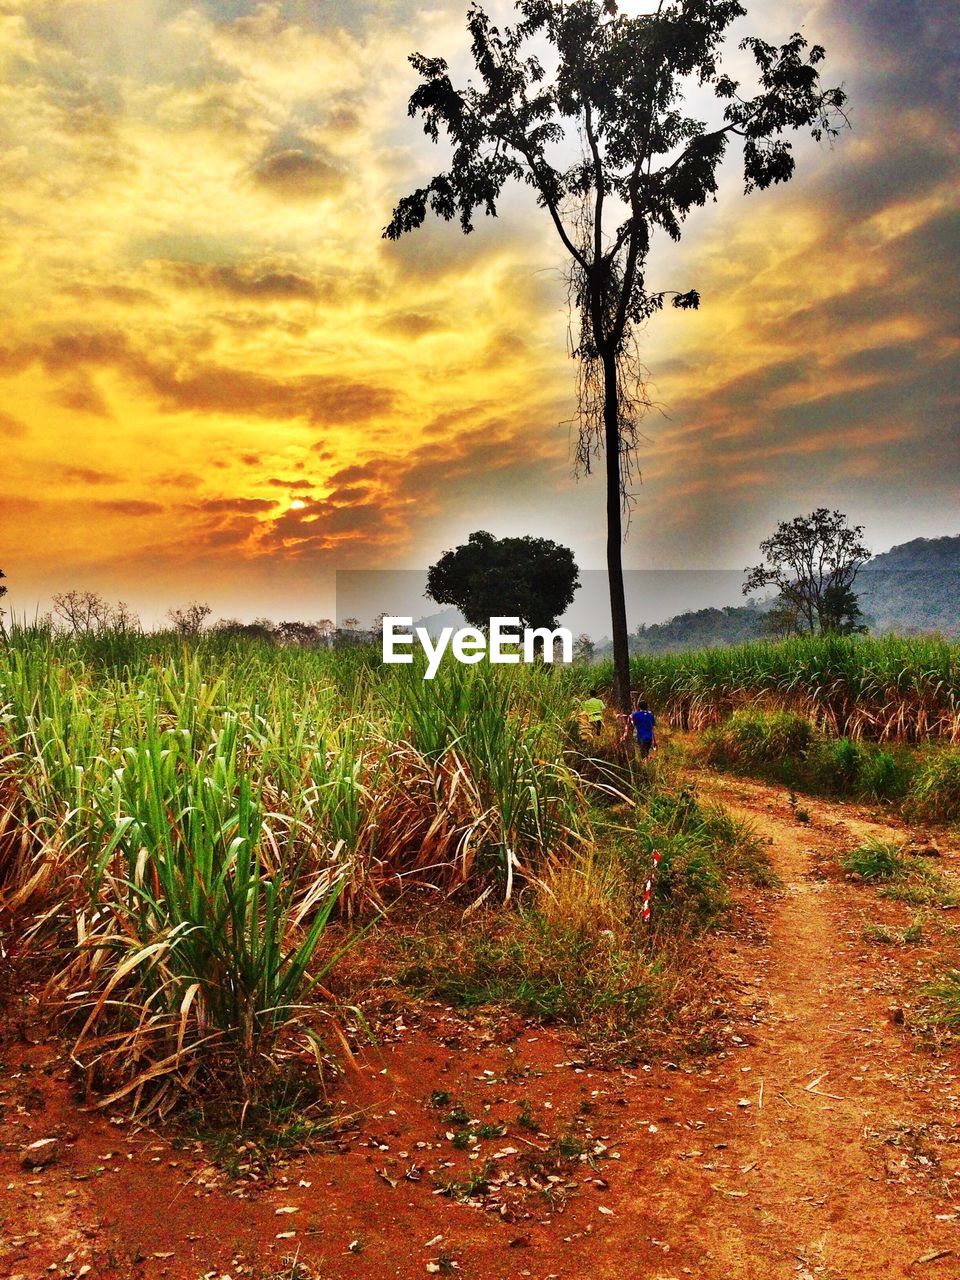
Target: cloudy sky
(218, 382)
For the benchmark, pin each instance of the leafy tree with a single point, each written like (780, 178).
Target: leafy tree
(813, 561)
(781, 621)
(258, 629)
(532, 579)
(606, 143)
(700, 629)
(584, 648)
(189, 622)
(299, 633)
(842, 612)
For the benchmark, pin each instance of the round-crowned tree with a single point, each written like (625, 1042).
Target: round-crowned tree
(532, 579)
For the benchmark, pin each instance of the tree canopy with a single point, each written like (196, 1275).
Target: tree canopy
(532, 579)
(813, 561)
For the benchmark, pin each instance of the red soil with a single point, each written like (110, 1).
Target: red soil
(820, 1142)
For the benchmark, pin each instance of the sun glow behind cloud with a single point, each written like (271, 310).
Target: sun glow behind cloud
(217, 378)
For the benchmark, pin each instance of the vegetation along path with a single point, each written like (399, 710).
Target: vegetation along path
(836, 1166)
(819, 1142)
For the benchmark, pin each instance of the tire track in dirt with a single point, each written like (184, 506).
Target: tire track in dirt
(810, 1196)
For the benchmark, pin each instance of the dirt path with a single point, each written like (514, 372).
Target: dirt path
(827, 1173)
(821, 1143)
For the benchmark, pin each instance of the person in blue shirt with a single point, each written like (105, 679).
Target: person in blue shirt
(644, 723)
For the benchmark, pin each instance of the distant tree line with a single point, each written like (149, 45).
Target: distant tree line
(80, 613)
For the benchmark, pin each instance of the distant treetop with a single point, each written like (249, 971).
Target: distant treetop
(532, 579)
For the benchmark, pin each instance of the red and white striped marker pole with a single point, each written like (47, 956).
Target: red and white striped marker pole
(648, 891)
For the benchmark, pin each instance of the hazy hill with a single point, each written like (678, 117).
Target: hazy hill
(913, 587)
(701, 628)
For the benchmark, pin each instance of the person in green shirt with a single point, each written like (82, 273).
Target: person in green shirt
(593, 710)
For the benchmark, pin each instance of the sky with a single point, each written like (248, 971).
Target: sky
(218, 382)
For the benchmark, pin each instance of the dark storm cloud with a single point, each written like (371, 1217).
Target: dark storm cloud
(849, 343)
(913, 46)
(243, 282)
(894, 170)
(299, 173)
(889, 360)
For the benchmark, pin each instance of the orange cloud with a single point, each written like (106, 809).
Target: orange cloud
(202, 322)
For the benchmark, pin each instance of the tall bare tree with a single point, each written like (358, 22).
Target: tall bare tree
(605, 140)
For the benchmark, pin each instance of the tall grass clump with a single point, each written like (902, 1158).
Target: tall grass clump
(784, 747)
(201, 925)
(577, 949)
(876, 860)
(179, 822)
(935, 789)
(862, 687)
(752, 738)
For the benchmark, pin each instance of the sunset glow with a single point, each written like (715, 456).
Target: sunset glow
(217, 380)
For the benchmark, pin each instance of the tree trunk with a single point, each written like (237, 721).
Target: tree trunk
(618, 607)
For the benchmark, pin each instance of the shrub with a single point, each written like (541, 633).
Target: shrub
(839, 763)
(876, 860)
(883, 776)
(753, 739)
(578, 951)
(935, 790)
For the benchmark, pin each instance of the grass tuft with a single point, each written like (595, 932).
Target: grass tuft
(876, 860)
